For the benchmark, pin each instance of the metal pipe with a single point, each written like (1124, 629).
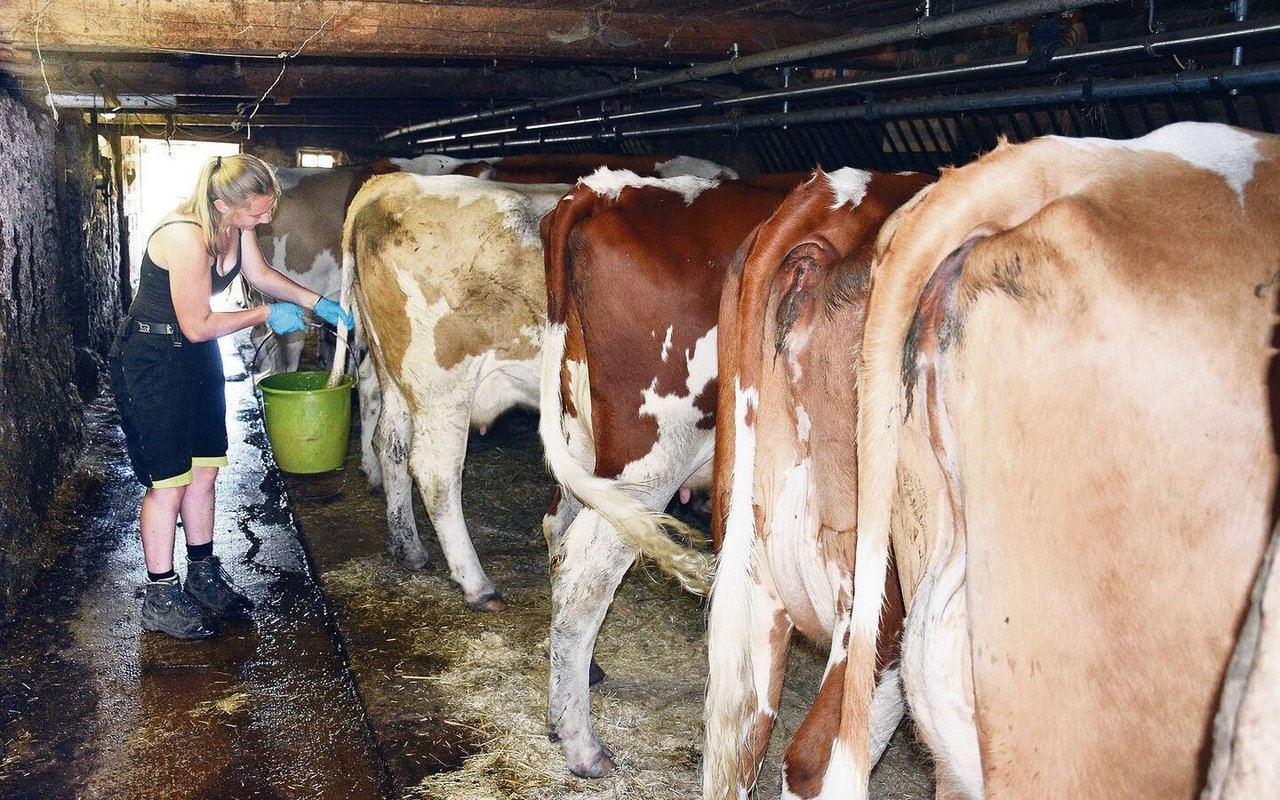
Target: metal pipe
(952, 143)
(1264, 113)
(1229, 106)
(1152, 46)
(1241, 9)
(1225, 78)
(891, 34)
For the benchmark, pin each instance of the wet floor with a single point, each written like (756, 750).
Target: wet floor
(356, 679)
(92, 707)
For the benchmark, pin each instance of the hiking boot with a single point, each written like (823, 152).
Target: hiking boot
(167, 609)
(210, 585)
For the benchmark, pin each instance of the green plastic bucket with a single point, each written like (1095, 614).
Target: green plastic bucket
(307, 424)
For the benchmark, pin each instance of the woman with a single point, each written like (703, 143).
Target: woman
(166, 374)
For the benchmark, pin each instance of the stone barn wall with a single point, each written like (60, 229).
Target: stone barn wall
(59, 306)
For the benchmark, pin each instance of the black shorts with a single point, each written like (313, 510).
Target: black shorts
(171, 395)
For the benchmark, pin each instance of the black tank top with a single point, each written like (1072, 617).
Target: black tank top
(154, 300)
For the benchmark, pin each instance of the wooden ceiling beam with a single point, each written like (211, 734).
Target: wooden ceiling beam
(368, 28)
(74, 73)
(162, 121)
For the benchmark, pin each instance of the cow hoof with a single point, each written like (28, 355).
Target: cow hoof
(414, 562)
(595, 674)
(488, 603)
(597, 767)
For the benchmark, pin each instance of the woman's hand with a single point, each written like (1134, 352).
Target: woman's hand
(332, 313)
(285, 318)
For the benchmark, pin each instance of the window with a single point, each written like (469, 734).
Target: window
(317, 158)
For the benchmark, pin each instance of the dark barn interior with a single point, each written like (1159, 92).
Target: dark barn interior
(767, 86)
(762, 87)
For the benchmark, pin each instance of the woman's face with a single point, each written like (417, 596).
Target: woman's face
(257, 212)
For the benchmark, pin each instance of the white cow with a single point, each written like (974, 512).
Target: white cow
(446, 274)
(304, 240)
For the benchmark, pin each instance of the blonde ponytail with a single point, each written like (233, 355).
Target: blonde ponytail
(234, 180)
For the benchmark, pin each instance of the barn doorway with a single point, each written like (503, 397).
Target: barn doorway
(158, 174)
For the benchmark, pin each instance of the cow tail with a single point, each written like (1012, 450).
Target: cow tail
(345, 298)
(348, 296)
(742, 621)
(880, 417)
(639, 526)
(884, 400)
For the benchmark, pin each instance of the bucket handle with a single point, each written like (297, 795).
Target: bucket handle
(252, 366)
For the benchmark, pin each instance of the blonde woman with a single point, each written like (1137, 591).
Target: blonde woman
(166, 374)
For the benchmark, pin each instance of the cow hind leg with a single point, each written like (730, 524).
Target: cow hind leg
(391, 442)
(748, 641)
(370, 410)
(439, 449)
(560, 514)
(937, 678)
(812, 766)
(587, 568)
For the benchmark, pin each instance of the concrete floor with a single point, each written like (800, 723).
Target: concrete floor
(354, 678)
(95, 708)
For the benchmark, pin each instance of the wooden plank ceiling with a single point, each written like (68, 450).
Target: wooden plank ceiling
(375, 65)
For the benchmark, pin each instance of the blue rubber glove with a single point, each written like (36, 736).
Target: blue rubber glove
(285, 318)
(331, 312)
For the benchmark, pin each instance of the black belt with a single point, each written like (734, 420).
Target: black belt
(159, 329)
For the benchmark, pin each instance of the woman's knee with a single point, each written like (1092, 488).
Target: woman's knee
(203, 479)
(165, 497)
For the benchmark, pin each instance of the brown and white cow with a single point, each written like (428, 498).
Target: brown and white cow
(1066, 443)
(634, 269)
(452, 295)
(304, 241)
(790, 330)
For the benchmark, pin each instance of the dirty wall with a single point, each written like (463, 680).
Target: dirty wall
(59, 306)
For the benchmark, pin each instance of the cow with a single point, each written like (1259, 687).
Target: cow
(1066, 444)
(304, 240)
(567, 168)
(1246, 730)
(790, 330)
(634, 268)
(451, 297)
